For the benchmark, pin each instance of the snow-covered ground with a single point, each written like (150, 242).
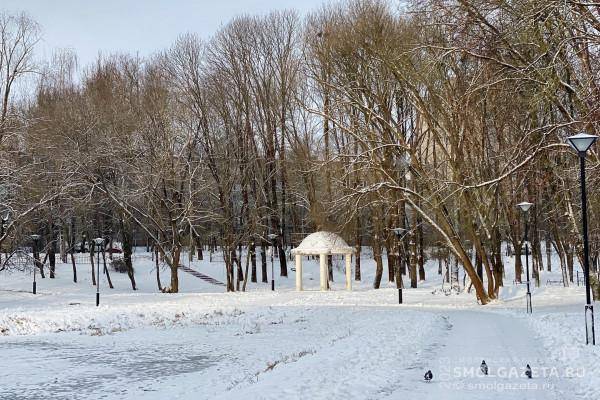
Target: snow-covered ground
(206, 344)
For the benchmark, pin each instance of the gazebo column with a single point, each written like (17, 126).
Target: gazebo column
(323, 268)
(298, 272)
(348, 258)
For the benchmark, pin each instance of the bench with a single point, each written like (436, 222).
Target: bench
(555, 282)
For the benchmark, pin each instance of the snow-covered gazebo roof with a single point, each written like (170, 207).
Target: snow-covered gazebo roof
(322, 243)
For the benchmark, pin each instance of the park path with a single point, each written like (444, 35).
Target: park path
(507, 345)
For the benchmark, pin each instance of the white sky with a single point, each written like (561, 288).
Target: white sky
(135, 26)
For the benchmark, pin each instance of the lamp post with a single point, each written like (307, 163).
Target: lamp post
(525, 206)
(582, 143)
(35, 239)
(272, 237)
(400, 233)
(98, 242)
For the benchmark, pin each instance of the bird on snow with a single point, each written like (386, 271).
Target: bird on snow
(428, 376)
(484, 367)
(528, 371)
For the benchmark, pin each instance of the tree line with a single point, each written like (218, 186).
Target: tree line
(437, 117)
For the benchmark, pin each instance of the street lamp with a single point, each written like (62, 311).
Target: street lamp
(525, 206)
(35, 239)
(400, 233)
(272, 237)
(98, 242)
(582, 143)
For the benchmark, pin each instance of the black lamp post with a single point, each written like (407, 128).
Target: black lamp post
(35, 239)
(272, 237)
(582, 143)
(98, 242)
(399, 232)
(525, 206)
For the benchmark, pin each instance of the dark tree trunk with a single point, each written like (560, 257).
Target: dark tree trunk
(569, 254)
(263, 263)
(518, 263)
(175, 270)
(358, 239)
(110, 285)
(479, 265)
(421, 250)
(127, 250)
(413, 262)
(282, 261)
(548, 253)
(157, 266)
(252, 250)
(378, 262)
(92, 263)
(72, 248)
(52, 252)
(391, 260)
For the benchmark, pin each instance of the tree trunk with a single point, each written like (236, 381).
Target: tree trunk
(52, 256)
(569, 253)
(263, 262)
(378, 262)
(421, 249)
(127, 249)
(479, 265)
(160, 288)
(72, 248)
(358, 240)
(93, 269)
(548, 254)
(252, 251)
(175, 270)
(413, 261)
(110, 285)
(518, 262)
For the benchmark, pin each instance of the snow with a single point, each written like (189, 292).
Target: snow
(207, 344)
(323, 243)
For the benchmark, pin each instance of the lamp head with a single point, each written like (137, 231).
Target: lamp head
(272, 236)
(99, 241)
(35, 237)
(582, 141)
(524, 206)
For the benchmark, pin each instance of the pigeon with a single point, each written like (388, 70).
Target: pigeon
(428, 376)
(528, 371)
(484, 367)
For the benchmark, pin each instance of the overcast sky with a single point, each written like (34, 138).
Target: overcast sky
(135, 26)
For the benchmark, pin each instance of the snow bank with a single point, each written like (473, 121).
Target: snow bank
(106, 320)
(563, 335)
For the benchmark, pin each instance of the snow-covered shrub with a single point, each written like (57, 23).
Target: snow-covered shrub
(118, 264)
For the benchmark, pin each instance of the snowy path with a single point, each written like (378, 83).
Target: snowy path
(507, 344)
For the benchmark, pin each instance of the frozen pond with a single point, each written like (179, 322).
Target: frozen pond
(75, 366)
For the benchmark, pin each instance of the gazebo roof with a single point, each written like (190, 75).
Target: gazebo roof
(322, 243)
